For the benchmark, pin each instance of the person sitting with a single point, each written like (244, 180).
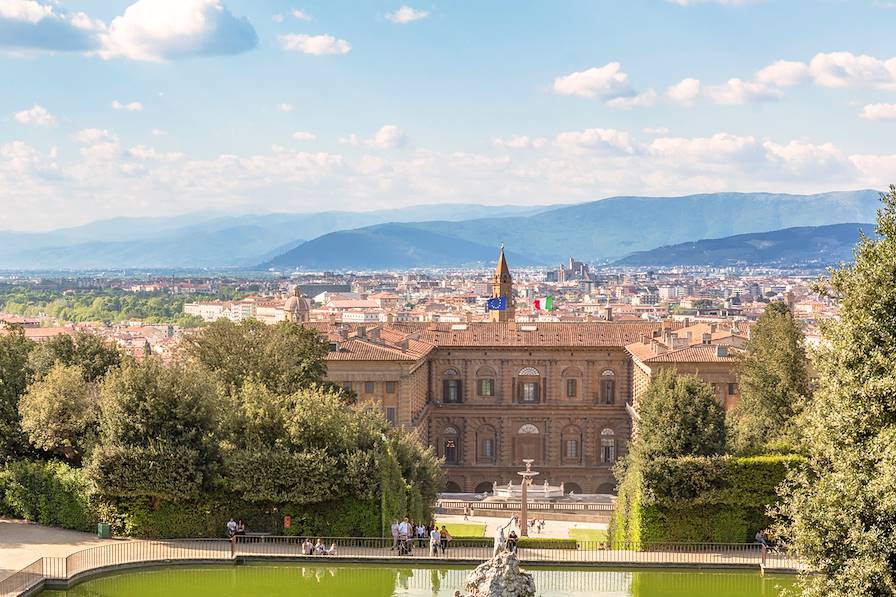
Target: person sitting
(332, 550)
(240, 527)
(511, 541)
(762, 539)
(319, 549)
(307, 548)
(231, 528)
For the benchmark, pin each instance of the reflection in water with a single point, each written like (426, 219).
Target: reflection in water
(349, 580)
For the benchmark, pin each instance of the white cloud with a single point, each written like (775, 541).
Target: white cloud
(659, 131)
(736, 92)
(606, 83)
(520, 142)
(783, 73)
(597, 139)
(647, 98)
(142, 152)
(387, 137)
(36, 114)
(317, 45)
(32, 25)
(304, 136)
(684, 92)
(879, 112)
(285, 107)
(277, 18)
(302, 16)
(129, 107)
(406, 14)
(844, 69)
(161, 30)
(92, 136)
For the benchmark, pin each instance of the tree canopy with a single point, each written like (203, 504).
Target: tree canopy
(93, 355)
(680, 415)
(773, 381)
(841, 515)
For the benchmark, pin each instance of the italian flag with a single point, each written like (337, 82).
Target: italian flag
(546, 303)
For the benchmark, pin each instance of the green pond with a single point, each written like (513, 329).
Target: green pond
(344, 580)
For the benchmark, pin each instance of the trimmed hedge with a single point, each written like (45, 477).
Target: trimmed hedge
(721, 499)
(51, 493)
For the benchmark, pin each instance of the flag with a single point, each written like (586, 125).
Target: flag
(499, 303)
(546, 303)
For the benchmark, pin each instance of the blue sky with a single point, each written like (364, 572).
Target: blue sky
(158, 107)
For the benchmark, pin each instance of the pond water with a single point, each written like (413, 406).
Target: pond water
(349, 580)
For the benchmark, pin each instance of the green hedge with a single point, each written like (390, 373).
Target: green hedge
(719, 499)
(534, 542)
(51, 493)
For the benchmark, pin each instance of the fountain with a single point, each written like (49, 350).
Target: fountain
(500, 576)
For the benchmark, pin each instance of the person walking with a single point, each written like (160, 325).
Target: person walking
(444, 539)
(394, 530)
(435, 540)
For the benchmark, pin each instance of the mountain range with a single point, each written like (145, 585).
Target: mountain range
(426, 235)
(805, 246)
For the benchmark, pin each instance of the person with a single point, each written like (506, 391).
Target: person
(231, 528)
(319, 549)
(435, 540)
(307, 548)
(240, 527)
(466, 511)
(394, 530)
(444, 538)
(332, 550)
(762, 539)
(404, 531)
(511, 541)
(500, 539)
(420, 531)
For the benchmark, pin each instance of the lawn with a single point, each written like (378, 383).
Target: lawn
(597, 535)
(464, 529)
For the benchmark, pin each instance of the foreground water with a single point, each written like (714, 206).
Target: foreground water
(349, 580)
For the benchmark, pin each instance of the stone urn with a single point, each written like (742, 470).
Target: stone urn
(500, 576)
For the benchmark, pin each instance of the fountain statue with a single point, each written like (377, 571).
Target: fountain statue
(500, 576)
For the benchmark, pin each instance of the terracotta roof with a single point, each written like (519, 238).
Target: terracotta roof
(703, 353)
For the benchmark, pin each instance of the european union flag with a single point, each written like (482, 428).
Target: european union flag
(496, 304)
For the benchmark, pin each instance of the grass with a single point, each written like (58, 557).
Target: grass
(464, 529)
(597, 535)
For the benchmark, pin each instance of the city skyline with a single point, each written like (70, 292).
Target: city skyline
(243, 107)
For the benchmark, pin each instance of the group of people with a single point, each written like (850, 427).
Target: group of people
(536, 524)
(405, 533)
(318, 548)
(234, 528)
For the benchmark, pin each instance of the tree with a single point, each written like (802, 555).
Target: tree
(679, 416)
(91, 353)
(158, 432)
(773, 382)
(58, 412)
(840, 516)
(285, 357)
(15, 375)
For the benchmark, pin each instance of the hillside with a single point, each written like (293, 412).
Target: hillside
(613, 228)
(388, 246)
(802, 246)
(204, 239)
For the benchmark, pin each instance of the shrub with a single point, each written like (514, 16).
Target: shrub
(51, 493)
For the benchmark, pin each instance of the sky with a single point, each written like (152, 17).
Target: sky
(162, 107)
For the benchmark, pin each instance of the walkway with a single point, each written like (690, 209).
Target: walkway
(555, 529)
(21, 543)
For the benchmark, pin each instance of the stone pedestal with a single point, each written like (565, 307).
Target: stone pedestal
(501, 576)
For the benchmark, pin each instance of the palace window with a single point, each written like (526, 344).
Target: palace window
(486, 387)
(485, 440)
(732, 389)
(449, 445)
(368, 387)
(608, 387)
(451, 387)
(607, 446)
(571, 388)
(488, 449)
(390, 414)
(572, 449)
(529, 391)
(390, 387)
(571, 445)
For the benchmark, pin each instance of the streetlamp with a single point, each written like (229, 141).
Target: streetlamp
(524, 506)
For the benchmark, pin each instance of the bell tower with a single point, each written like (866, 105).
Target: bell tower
(502, 285)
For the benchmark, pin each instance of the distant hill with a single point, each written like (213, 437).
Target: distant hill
(801, 246)
(205, 239)
(613, 228)
(389, 246)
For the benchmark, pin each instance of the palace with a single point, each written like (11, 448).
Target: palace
(487, 395)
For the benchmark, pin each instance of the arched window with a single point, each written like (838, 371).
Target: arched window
(528, 428)
(571, 377)
(572, 488)
(607, 446)
(485, 382)
(608, 387)
(529, 386)
(484, 487)
(452, 487)
(451, 387)
(450, 450)
(571, 445)
(486, 444)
